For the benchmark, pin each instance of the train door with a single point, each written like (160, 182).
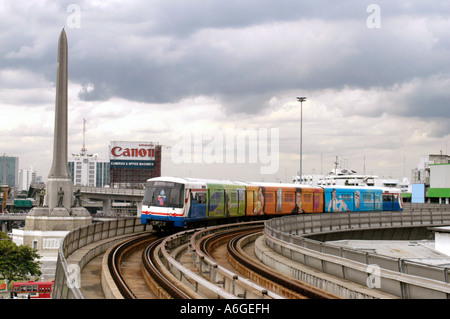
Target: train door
(241, 201)
(216, 203)
(269, 200)
(255, 200)
(317, 201)
(231, 202)
(198, 205)
(378, 200)
(250, 194)
(367, 201)
(398, 201)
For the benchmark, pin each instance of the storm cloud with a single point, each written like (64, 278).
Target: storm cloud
(235, 63)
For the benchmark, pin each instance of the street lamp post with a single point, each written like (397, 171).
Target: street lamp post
(301, 100)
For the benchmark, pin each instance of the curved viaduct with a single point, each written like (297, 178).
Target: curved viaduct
(301, 239)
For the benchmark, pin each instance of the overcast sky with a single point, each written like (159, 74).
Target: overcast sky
(376, 78)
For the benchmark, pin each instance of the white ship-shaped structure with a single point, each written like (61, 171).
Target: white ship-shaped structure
(349, 177)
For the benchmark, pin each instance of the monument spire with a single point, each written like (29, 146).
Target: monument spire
(59, 183)
(59, 167)
(57, 216)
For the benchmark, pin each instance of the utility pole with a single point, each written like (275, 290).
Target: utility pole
(301, 99)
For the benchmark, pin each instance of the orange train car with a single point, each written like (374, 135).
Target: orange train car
(282, 199)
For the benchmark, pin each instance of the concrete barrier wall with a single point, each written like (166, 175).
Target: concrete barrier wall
(88, 242)
(405, 279)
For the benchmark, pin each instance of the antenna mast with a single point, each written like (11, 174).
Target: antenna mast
(83, 149)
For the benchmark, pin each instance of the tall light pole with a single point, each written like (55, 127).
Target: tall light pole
(301, 100)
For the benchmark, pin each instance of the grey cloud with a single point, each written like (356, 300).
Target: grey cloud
(164, 51)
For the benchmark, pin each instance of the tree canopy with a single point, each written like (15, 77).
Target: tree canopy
(17, 262)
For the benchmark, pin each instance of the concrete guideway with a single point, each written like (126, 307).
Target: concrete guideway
(293, 235)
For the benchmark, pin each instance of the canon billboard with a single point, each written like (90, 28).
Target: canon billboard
(132, 154)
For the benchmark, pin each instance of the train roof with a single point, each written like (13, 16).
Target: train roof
(383, 189)
(199, 182)
(195, 181)
(204, 181)
(267, 184)
(343, 187)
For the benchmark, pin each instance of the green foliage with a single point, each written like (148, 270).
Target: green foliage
(17, 262)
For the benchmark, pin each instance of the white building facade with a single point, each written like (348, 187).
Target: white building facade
(26, 177)
(89, 170)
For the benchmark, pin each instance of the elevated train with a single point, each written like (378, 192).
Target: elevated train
(185, 202)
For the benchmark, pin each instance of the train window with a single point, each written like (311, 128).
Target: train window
(232, 196)
(307, 198)
(200, 198)
(367, 198)
(176, 197)
(165, 194)
(148, 196)
(161, 183)
(216, 200)
(270, 197)
(23, 288)
(288, 197)
(241, 194)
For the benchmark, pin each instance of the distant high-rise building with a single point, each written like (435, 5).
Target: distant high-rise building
(9, 171)
(421, 174)
(89, 170)
(26, 177)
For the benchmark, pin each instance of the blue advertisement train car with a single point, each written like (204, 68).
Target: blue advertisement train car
(352, 199)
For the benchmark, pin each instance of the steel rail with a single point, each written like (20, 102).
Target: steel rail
(191, 275)
(196, 243)
(115, 258)
(295, 286)
(152, 269)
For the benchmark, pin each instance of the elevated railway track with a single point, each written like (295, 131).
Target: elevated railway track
(195, 268)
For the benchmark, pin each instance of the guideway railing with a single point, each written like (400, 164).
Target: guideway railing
(67, 276)
(396, 276)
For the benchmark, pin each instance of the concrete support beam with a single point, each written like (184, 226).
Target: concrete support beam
(107, 204)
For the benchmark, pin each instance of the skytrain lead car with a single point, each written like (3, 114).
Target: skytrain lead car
(184, 202)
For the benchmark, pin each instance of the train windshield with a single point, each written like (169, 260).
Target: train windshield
(164, 194)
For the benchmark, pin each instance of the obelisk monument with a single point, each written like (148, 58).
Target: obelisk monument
(59, 188)
(47, 225)
(59, 183)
